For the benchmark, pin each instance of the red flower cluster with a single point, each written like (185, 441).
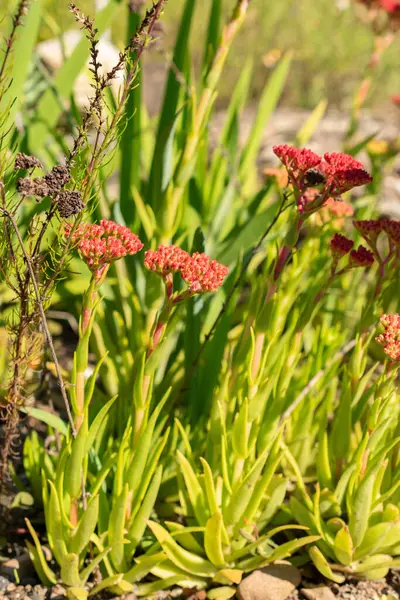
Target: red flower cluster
(341, 245)
(390, 339)
(370, 230)
(334, 174)
(343, 172)
(198, 270)
(100, 245)
(392, 228)
(361, 257)
(391, 6)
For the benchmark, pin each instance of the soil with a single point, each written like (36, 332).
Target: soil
(28, 586)
(383, 589)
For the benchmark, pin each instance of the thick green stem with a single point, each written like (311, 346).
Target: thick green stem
(82, 350)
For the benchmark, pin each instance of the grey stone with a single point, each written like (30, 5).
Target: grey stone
(22, 565)
(3, 583)
(58, 592)
(318, 593)
(275, 582)
(38, 593)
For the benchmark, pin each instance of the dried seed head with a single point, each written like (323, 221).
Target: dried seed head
(57, 178)
(33, 187)
(69, 203)
(23, 161)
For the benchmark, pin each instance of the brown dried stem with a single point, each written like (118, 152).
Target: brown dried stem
(42, 313)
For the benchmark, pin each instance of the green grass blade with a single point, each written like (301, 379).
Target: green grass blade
(304, 134)
(130, 139)
(169, 109)
(213, 33)
(268, 102)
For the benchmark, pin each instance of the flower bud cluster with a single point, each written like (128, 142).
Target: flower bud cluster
(198, 270)
(100, 245)
(341, 246)
(390, 339)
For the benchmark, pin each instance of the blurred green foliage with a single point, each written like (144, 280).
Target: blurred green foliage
(331, 47)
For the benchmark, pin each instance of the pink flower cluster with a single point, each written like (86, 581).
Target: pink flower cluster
(339, 209)
(203, 274)
(341, 245)
(390, 339)
(165, 260)
(100, 245)
(198, 270)
(333, 174)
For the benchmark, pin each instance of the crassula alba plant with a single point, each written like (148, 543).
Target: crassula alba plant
(354, 506)
(114, 525)
(228, 402)
(227, 531)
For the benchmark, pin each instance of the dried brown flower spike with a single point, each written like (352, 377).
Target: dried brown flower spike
(69, 203)
(32, 187)
(24, 161)
(56, 179)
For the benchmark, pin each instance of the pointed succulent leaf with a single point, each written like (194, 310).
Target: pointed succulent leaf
(374, 562)
(138, 525)
(116, 530)
(361, 508)
(188, 561)
(221, 593)
(54, 524)
(240, 498)
(210, 488)
(194, 489)
(94, 562)
(187, 540)
(97, 423)
(74, 466)
(87, 525)
(323, 566)
(343, 546)
(143, 567)
(107, 583)
(46, 575)
(148, 589)
(287, 549)
(142, 451)
(213, 540)
(240, 432)
(228, 576)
